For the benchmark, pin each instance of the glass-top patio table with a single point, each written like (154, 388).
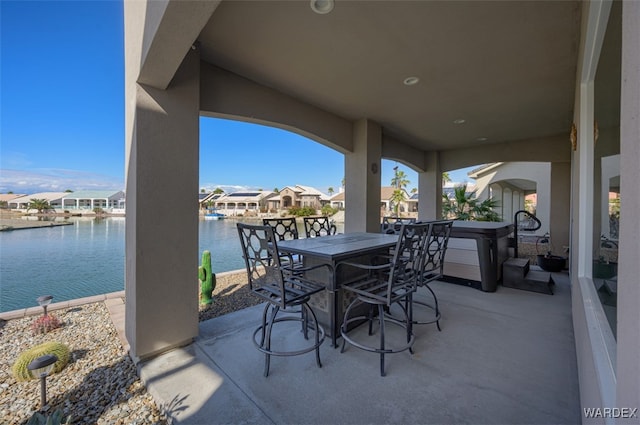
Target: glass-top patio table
(357, 247)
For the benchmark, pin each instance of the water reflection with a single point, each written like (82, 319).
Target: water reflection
(84, 259)
(88, 258)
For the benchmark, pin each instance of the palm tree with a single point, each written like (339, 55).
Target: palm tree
(330, 190)
(218, 191)
(459, 205)
(399, 180)
(446, 178)
(414, 190)
(484, 211)
(40, 205)
(397, 197)
(465, 206)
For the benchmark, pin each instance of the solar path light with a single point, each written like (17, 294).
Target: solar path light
(44, 301)
(40, 368)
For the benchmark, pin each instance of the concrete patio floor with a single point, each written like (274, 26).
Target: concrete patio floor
(502, 358)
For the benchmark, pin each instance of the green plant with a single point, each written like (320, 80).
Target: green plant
(484, 211)
(56, 418)
(302, 211)
(328, 210)
(207, 279)
(397, 198)
(40, 205)
(530, 206)
(44, 324)
(399, 180)
(465, 206)
(307, 211)
(61, 351)
(446, 178)
(294, 210)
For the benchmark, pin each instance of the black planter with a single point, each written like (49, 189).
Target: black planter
(551, 263)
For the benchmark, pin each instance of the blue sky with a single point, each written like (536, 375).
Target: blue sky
(62, 113)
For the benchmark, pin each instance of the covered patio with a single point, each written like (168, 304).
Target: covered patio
(501, 358)
(437, 86)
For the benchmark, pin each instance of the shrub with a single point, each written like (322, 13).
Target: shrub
(328, 210)
(294, 211)
(44, 324)
(306, 211)
(302, 211)
(56, 418)
(19, 368)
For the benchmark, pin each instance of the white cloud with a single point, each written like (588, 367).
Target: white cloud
(55, 180)
(229, 188)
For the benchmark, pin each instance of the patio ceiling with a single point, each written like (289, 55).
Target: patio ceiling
(507, 68)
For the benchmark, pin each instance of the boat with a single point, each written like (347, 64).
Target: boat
(211, 214)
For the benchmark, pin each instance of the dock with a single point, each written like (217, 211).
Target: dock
(7, 224)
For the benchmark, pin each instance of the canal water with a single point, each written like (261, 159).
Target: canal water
(87, 258)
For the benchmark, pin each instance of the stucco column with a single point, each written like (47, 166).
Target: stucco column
(496, 193)
(518, 201)
(507, 204)
(628, 366)
(560, 205)
(362, 178)
(162, 213)
(430, 189)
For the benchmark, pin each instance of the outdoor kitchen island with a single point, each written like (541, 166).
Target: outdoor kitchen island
(476, 252)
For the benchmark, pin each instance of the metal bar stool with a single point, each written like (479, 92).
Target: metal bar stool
(392, 282)
(285, 229)
(284, 289)
(318, 226)
(432, 267)
(392, 225)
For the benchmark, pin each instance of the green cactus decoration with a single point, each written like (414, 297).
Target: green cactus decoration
(207, 279)
(19, 369)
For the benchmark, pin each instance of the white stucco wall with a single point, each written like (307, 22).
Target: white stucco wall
(511, 198)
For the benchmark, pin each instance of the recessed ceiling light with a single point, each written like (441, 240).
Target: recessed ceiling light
(459, 121)
(410, 81)
(322, 7)
(481, 139)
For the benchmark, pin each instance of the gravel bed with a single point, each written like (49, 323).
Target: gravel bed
(100, 384)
